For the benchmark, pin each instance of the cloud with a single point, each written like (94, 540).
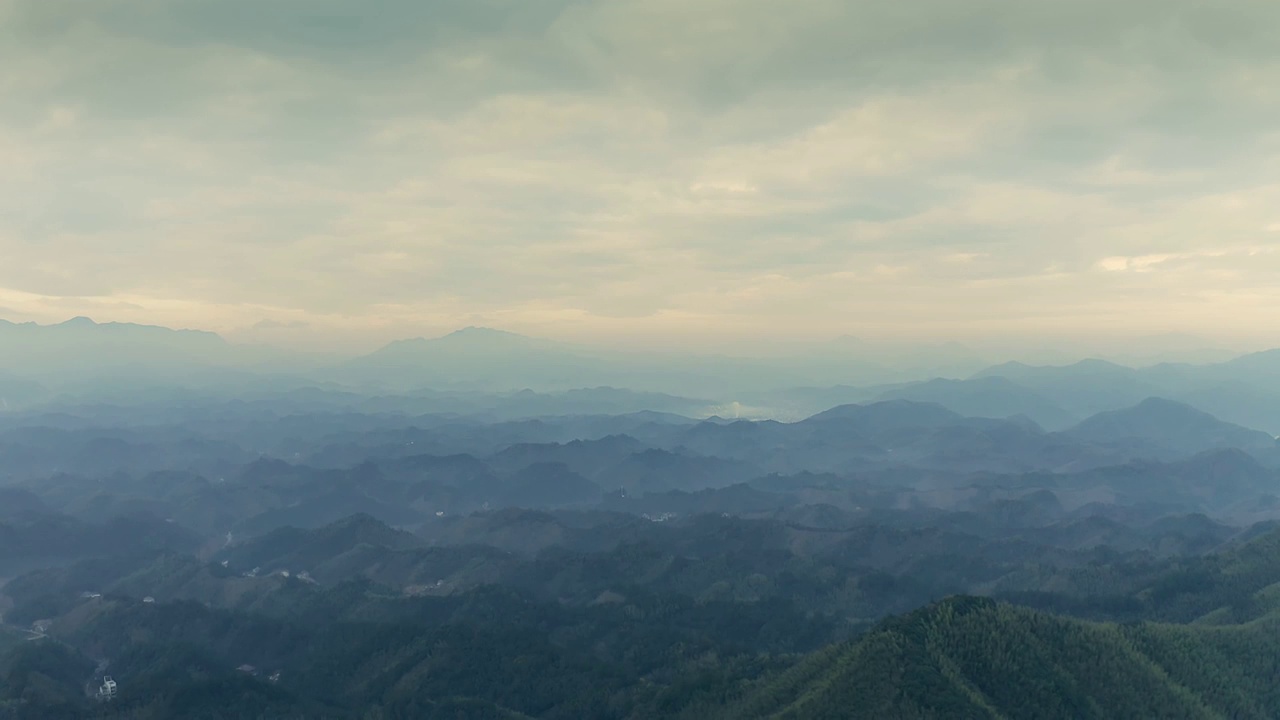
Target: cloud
(644, 169)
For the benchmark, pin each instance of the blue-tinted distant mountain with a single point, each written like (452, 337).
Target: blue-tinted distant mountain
(85, 360)
(994, 397)
(495, 360)
(1082, 370)
(1245, 390)
(893, 434)
(483, 359)
(891, 414)
(323, 508)
(462, 343)
(302, 548)
(488, 360)
(1181, 429)
(587, 457)
(550, 485)
(1258, 368)
(1082, 389)
(472, 358)
(498, 374)
(1241, 391)
(1250, 405)
(1219, 469)
(80, 344)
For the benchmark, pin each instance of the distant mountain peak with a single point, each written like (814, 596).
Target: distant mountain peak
(82, 348)
(464, 338)
(1180, 427)
(894, 412)
(1015, 370)
(1229, 459)
(1160, 404)
(475, 331)
(1098, 363)
(1155, 409)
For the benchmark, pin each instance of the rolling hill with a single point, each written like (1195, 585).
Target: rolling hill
(975, 658)
(990, 397)
(1179, 428)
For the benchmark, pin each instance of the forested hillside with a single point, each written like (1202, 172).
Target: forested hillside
(974, 658)
(893, 559)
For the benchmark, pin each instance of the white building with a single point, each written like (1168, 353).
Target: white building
(107, 692)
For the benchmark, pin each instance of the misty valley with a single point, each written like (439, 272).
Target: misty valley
(639, 360)
(220, 541)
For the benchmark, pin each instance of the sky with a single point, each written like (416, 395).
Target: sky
(338, 173)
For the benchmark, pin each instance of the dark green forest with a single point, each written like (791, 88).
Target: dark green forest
(1186, 637)
(898, 559)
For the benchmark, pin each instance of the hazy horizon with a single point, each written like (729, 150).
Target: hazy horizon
(1136, 351)
(335, 175)
(618, 359)
(1153, 347)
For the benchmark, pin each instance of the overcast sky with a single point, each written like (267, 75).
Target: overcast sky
(331, 171)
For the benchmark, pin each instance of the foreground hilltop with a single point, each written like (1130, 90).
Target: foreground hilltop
(969, 657)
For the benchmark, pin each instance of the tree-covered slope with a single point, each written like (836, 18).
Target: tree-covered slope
(976, 658)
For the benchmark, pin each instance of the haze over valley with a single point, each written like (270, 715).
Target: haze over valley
(639, 359)
(475, 369)
(491, 525)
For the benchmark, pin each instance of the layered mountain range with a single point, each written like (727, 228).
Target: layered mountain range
(534, 530)
(477, 369)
